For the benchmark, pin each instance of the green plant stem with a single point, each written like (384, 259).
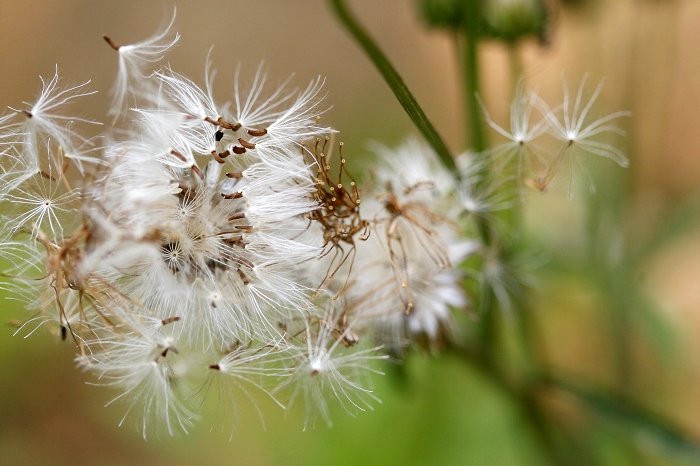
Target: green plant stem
(475, 134)
(396, 84)
(525, 395)
(472, 88)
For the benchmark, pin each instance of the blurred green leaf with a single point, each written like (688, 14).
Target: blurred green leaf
(638, 424)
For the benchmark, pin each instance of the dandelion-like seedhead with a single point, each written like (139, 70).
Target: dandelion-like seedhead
(542, 139)
(215, 247)
(221, 249)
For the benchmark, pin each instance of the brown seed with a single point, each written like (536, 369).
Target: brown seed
(246, 144)
(196, 169)
(47, 175)
(257, 132)
(217, 157)
(111, 42)
(169, 320)
(246, 262)
(210, 120)
(226, 125)
(243, 277)
(178, 155)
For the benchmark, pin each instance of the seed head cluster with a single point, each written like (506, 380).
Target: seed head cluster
(198, 247)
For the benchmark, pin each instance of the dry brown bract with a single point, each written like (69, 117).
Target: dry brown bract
(338, 212)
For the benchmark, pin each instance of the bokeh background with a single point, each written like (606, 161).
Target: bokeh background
(435, 410)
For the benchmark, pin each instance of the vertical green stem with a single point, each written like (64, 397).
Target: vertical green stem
(488, 304)
(471, 90)
(396, 84)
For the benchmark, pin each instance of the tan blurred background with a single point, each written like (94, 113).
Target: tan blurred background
(647, 51)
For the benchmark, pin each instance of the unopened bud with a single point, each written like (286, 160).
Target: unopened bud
(511, 20)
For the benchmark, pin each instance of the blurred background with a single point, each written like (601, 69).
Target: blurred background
(617, 300)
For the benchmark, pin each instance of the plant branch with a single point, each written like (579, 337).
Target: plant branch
(396, 84)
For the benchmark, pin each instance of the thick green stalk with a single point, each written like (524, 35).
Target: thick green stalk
(396, 84)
